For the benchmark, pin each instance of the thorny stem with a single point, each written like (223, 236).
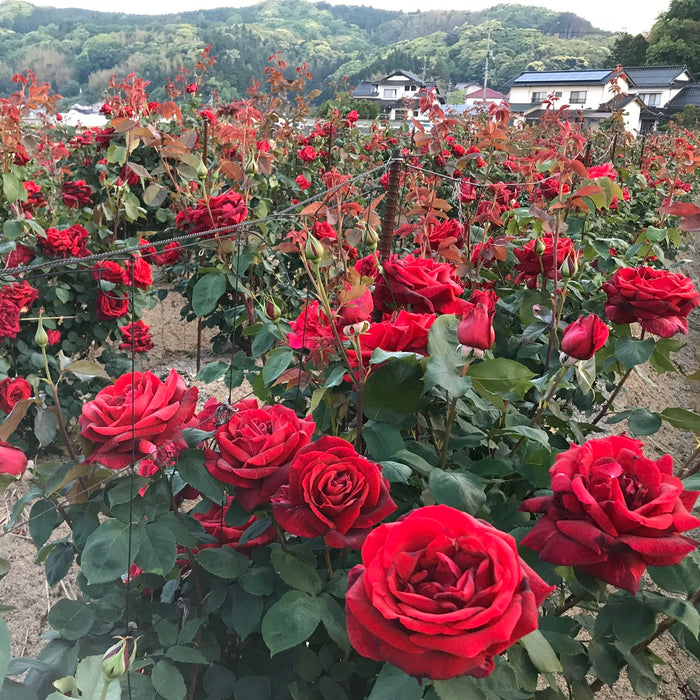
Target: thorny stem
(57, 404)
(688, 469)
(612, 397)
(327, 557)
(449, 421)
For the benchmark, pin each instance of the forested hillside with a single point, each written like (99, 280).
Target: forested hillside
(79, 50)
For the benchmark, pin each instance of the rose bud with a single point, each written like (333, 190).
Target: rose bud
(116, 660)
(583, 338)
(41, 338)
(313, 250)
(475, 331)
(272, 311)
(12, 460)
(540, 247)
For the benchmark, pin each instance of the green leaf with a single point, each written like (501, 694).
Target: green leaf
(394, 387)
(333, 619)
(682, 610)
(168, 681)
(58, 562)
(682, 419)
(461, 490)
(207, 292)
(501, 376)
(277, 361)
(157, 550)
(253, 688)
(392, 683)
(290, 621)
(632, 352)
(218, 682)
(42, 520)
(186, 655)
(12, 188)
(605, 661)
(633, 622)
(105, 557)
(72, 618)
(458, 689)
(4, 649)
(660, 359)
(45, 425)
(541, 653)
(190, 466)
(444, 367)
(154, 195)
(263, 341)
(395, 472)
(243, 612)
(86, 369)
(255, 529)
(296, 573)
(679, 578)
(212, 371)
(643, 422)
(223, 562)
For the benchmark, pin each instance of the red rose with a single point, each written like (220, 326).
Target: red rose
(109, 271)
(140, 271)
(355, 310)
(446, 232)
(332, 492)
(22, 294)
(303, 183)
(530, 264)
(70, 242)
(419, 284)
(613, 512)
(307, 154)
(312, 330)
(108, 306)
(21, 156)
(76, 194)
(605, 170)
(159, 411)
(217, 212)
(54, 336)
(227, 536)
(191, 88)
(128, 176)
(657, 299)
(475, 330)
(439, 594)
(21, 255)
(256, 447)
(9, 319)
(584, 337)
(169, 255)
(12, 391)
(208, 115)
(353, 116)
(136, 337)
(12, 459)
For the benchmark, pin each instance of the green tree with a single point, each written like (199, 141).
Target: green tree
(675, 38)
(628, 50)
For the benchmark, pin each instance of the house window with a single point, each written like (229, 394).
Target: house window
(538, 97)
(651, 99)
(390, 94)
(577, 97)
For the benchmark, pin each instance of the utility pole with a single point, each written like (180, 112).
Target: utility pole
(486, 64)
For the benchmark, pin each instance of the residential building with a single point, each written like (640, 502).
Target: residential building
(396, 94)
(477, 95)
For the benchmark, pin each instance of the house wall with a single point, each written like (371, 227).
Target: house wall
(595, 94)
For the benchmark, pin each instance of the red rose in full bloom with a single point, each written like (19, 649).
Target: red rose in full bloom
(530, 264)
(54, 336)
(9, 318)
(332, 492)
(604, 170)
(22, 294)
(355, 310)
(169, 255)
(451, 230)
(657, 299)
(353, 116)
(191, 88)
(12, 459)
(136, 336)
(21, 255)
(303, 183)
(417, 284)
(312, 330)
(584, 337)
(159, 411)
(475, 330)
(67, 243)
(439, 594)
(256, 447)
(76, 194)
(109, 271)
(112, 305)
(214, 523)
(140, 271)
(224, 210)
(307, 154)
(613, 512)
(12, 391)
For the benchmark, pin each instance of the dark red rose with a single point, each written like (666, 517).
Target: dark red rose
(109, 271)
(159, 411)
(227, 536)
(475, 330)
(256, 447)
(140, 271)
(54, 336)
(356, 306)
(439, 594)
(613, 512)
(12, 391)
(35, 200)
(70, 242)
(307, 154)
(208, 115)
(417, 284)
(169, 255)
(21, 156)
(657, 299)
(312, 330)
(22, 294)
(76, 194)
(112, 305)
(584, 337)
(21, 255)
(225, 210)
(128, 176)
(332, 492)
(136, 337)
(406, 333)
(446, 232)
(324, 231)
(303, 183)
(530, 264)
(9, 319)
(191, 88)
(12, 459)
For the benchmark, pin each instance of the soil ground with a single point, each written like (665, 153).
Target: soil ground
(175, 346)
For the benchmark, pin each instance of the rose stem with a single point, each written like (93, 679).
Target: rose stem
(327, 557)
(612, 397)
(451, 411)
(688, 469)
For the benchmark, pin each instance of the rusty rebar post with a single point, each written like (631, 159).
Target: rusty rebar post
(392, 201)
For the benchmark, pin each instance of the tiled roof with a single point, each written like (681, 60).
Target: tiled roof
(365, 90)
(478, 93)
(584, 77)
(689, 95)
(654, 76)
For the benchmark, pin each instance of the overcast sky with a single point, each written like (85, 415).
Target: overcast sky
(633, 16)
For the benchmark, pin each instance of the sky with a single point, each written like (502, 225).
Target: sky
(633, 16)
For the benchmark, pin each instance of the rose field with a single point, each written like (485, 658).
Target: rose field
(438, 433)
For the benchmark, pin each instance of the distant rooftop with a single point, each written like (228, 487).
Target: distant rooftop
(654, 76)
(689, 95)
(478, 93)
(564, 77)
